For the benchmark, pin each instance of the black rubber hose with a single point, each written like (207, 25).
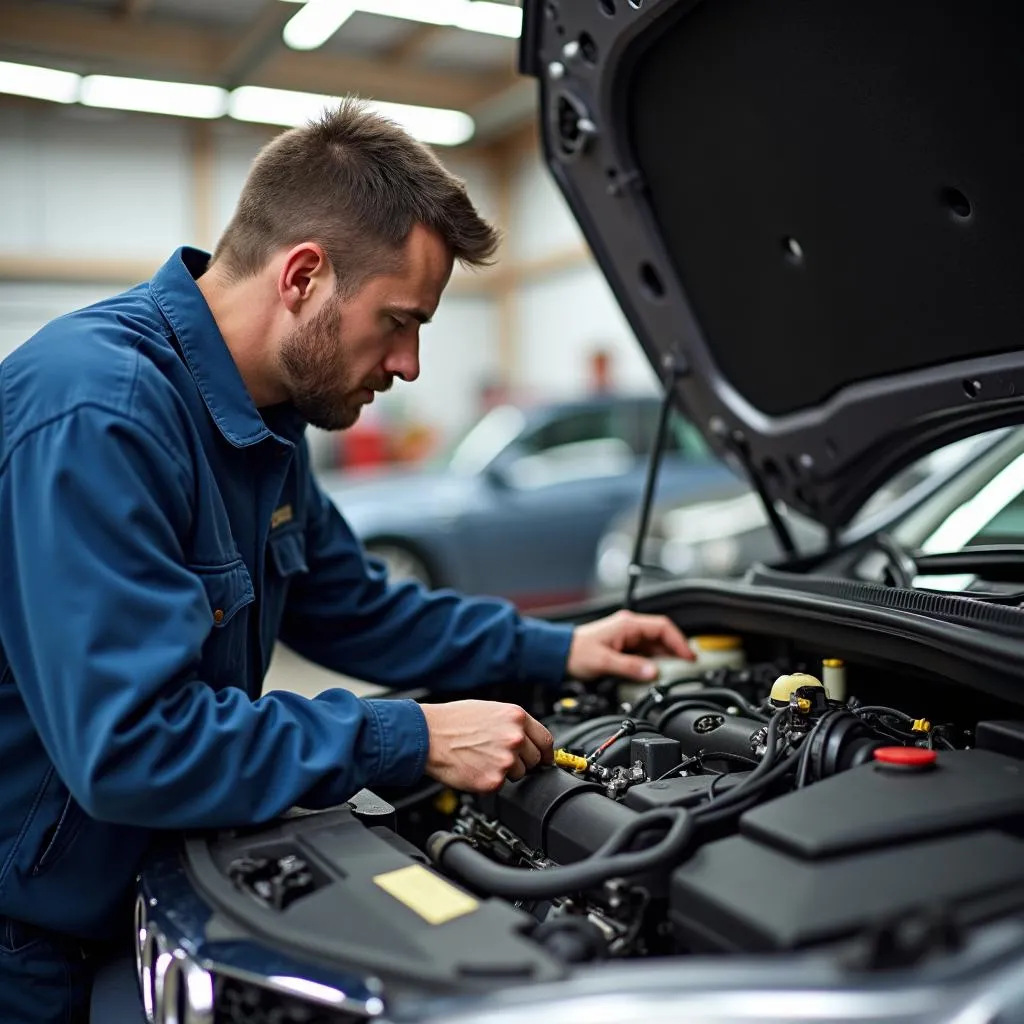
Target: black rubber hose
(455, 854)
(762, 774)
(712, 695)
(723, 808)
(722, 693)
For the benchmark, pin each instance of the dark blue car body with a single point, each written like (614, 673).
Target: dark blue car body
(517, 508)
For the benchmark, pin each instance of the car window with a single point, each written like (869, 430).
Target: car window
(1005, 527)
(485, 440)
(683, 437)
(992, 513)
(578, 426)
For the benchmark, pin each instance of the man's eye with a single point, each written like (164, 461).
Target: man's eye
(397, 323)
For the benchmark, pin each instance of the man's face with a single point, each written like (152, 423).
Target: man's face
(349, 349)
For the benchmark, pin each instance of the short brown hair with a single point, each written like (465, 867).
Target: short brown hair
(355, 183)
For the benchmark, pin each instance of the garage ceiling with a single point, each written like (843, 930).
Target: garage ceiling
(232, 43)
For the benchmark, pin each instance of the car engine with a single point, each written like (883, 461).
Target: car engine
(768, 805)
(751, 810)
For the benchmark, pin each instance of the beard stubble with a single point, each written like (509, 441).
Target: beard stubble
(321, 385)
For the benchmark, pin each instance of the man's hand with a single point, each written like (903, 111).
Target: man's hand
(599, 648)
(476, 744)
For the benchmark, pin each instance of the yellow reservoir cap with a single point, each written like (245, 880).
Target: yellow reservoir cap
(784, 686)
(571, 761)
(832, 663)
(717, 642)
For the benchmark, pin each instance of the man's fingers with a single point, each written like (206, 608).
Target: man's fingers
(630, 666)
(517, 771)
(664, 631)
(529, 754)
(541, 740)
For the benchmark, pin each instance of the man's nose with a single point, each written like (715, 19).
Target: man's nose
(404, 360)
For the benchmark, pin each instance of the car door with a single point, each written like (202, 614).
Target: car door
(549, 498)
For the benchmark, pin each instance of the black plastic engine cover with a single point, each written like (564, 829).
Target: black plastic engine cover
(873, 805)
(736, 895)
(847, 854)
(365, 899)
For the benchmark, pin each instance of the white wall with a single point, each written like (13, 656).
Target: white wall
(76, 182)
(562, 319)
(564, 314)
(24, 308)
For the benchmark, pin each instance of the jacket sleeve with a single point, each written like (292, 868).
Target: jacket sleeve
(103, 624)
(344, 615)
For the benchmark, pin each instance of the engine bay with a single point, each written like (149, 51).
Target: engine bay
(772, 807)
(762, 800)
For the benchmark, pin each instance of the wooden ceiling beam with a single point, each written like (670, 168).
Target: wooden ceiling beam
(81, 38)
(506, 110)
(90, 41)
(256, 45)
(372, 79)
(132, 9)
(412, 45)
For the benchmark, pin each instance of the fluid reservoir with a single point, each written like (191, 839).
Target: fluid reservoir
(833, 675)
(712, 650)
(718, 650)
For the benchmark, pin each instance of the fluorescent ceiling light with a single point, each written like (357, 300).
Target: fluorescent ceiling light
(39, 83)
(178, 99)
(473, 15)
(316, 23)
(275, 106)
(432, 125)
(494, 19)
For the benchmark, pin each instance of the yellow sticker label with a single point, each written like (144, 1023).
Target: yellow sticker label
(281, 516)
(426, 894)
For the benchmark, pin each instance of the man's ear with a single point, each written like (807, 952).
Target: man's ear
(305, 271)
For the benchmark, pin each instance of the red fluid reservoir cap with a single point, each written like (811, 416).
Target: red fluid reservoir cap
(905, 757)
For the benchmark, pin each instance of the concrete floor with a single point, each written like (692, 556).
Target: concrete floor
(288, 671)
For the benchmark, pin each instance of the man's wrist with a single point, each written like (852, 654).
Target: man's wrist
(400, 730)
(544, 651)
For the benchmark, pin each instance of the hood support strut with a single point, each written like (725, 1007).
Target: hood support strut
(673, 370)
(779, 527)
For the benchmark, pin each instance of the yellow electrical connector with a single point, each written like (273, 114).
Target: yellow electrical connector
(446, 802)
(803, 705)
(921, 725)
(571, 761)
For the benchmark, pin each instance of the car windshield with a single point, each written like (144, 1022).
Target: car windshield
(489, 436)
(984, 504)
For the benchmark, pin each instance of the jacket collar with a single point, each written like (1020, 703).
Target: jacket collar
(207, 355)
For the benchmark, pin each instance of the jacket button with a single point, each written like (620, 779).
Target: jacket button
(218, 615)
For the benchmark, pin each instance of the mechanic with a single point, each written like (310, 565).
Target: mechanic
(161, 530)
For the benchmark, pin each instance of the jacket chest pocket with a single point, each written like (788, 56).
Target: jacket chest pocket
(286, 564)
(288, 552)
(229, 591)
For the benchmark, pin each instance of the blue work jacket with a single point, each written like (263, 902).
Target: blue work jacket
(158, 535)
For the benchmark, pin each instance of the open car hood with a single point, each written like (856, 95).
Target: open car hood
(812, 215)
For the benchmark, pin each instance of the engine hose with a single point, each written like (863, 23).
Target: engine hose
(724, 807)
(722, 693)
(455, 854)
(677, 707)
(763, 774)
